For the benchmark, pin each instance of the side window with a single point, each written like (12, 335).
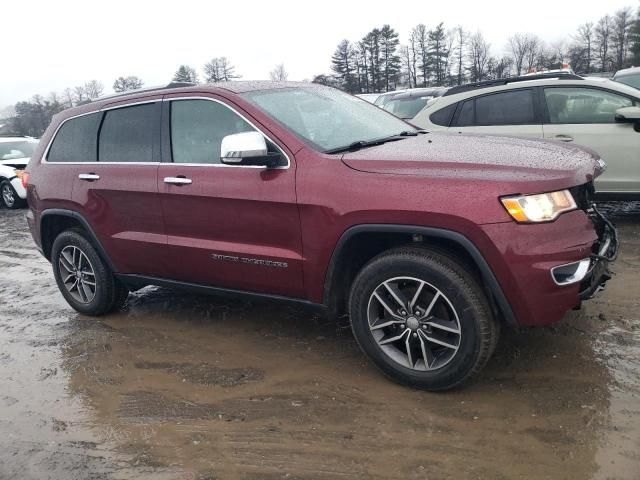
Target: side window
(505, 108)
(583, 105)
(443, 117)
(198, 127)
(129, 134)
(466, 115)
(76, 140)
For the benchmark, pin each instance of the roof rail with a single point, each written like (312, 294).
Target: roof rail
(149, 89)
(505, 81)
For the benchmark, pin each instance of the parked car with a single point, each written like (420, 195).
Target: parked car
(14, 156)
(629, 76)
(369, 97)
(600, 114)
(407, 103)
(301, 192)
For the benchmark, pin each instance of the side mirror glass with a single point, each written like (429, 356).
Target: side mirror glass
(247, 148)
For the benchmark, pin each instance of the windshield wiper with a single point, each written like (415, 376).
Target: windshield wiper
(360, 144)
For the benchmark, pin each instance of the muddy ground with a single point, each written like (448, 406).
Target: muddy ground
(183, 386)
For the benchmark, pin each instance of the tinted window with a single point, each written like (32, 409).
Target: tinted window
(583, 105)
(507, 108)
(198, 127)
(76, 140)
(128, 134)
(465, 117)
(443, 117)
(631, 79)
(22, 149)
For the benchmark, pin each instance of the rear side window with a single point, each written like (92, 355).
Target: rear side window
(198, 127)
(76, 140)
(506, 108)
(129, 134)
(443, 117)
(466, 115)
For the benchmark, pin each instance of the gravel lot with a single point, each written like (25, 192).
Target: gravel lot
(194, 387)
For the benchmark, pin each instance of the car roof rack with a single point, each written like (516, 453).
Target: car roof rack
(505, 81)
(149, 89)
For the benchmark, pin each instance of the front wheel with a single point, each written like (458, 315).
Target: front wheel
(422, 319)
(10, 197)
(84, 279)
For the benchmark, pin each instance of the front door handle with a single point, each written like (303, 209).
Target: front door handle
(177, 180)
(89, 177)
(564, 138)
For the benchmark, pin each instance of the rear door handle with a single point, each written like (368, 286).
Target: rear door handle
(564, 138)
(89, 177)
(177, 180)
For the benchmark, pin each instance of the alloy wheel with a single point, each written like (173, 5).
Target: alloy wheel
(414, 323)
(77, 274)
(7, 195)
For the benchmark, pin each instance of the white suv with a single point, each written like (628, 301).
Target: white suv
(593, 112)
(15, 153)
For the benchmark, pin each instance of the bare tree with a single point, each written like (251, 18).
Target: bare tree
(603, 33)
(93, 89)
(219, 69)
(79, 94)
(68, 96)
(535, 50)
(422, 39)
(584, 38)
(461, 38)
(478, 56)
(622, 24)
(279, 74)
(125, 84)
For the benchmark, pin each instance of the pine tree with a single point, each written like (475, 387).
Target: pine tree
(389, 57)
(185, 74)
(343, 64)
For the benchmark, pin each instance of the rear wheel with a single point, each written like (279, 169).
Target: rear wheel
(84, 279)
(422, 319)
(10, 197)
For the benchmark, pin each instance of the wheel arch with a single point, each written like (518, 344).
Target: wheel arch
(361, 243)
(53, 221)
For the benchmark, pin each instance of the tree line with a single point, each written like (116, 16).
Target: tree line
(32, 117)
(440, 56)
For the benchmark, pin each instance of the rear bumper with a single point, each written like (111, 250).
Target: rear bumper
(530, 253)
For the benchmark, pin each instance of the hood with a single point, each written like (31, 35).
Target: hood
(538, 165)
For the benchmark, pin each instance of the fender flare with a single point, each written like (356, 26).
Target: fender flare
(488, 277)
(76, 216)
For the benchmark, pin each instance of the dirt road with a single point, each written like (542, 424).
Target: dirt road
(194, 387)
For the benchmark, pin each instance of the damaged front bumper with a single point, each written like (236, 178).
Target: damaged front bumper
(605, 251)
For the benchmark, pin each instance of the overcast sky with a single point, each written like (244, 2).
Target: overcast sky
(49, 45)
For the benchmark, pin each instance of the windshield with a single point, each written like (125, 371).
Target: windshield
(327, 118)
(13, 150)
(406, 107)
(632, 80)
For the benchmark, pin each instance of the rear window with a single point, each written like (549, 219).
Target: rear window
(76, 140)
(443, 117)
(129, 134)
(506, 108)
(406, 108)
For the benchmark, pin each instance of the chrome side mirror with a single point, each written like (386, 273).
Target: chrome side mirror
(247, 148)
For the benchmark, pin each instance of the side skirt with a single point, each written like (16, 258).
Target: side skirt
(136, 282)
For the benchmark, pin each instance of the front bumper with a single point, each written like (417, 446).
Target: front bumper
(528, 255)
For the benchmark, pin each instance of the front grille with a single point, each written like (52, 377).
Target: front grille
(582, 194)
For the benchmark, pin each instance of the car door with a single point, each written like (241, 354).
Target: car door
(118, 193)
(235, 227)
(586, 116)
(511, 112)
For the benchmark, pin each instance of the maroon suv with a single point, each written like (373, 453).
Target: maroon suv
(301, 192)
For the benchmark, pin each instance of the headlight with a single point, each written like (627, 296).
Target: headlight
(542, 207)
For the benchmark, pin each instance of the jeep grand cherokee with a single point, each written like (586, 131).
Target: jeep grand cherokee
(429, 242)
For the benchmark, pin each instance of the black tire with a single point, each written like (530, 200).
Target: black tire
(9, 196)
(476, 335)
(108, 293)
